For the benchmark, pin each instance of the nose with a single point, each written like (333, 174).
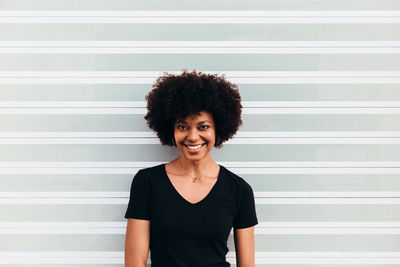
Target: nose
(193, 135)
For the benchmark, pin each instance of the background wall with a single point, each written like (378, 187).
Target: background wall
(319, 145)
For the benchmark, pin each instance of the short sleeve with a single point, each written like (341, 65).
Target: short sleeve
(246, 209)
(139, 200)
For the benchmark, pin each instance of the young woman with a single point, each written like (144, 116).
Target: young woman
(184, 210)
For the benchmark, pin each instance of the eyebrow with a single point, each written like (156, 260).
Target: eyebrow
(200, 122)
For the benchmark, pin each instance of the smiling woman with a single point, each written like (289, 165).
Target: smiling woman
(195, 136)
(184, 210)
(175, 97)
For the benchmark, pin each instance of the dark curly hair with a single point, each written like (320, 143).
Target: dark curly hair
(178, 96)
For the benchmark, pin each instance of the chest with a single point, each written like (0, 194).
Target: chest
(174, 216)
(193, 192)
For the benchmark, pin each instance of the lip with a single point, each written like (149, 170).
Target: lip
(194, 145)
(191, 150)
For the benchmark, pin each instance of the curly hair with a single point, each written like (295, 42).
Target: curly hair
(178, 96)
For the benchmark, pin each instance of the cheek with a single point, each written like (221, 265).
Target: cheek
(177, 135)
(210, 136)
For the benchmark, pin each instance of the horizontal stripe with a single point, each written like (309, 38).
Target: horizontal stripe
(246, 104)
(259, 194)
(322, 194)
(200, 13)
(259, 201)
(321, 104)
(237, 140)
(318, 231)
(117, 257)
(92, 230)
(198, 5)
(249, 107)
(326, 224)
(240, 138)
(133, 111)
(206, 16)
(265, 198)
(111, 50)
(239, 171)
(228, 74)
(240, 77)
(239, 134)
(275, 213)
(284, 224)
(229, 164)
(204, 20)
(347, 261)
(198, 47)
(64, 224)
(283, 80)
(202, 32)
(201, 44)
(230, 254)
(326, 201)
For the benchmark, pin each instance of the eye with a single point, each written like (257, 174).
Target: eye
(204, 126)
(180, 125)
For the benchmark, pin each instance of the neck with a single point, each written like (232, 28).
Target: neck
(196, 168)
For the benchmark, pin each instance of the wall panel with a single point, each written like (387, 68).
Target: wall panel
(319, 144)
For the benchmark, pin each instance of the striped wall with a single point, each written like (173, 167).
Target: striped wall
(320, 143)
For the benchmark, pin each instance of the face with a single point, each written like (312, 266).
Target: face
(198, 132)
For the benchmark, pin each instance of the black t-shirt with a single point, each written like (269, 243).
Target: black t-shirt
(183, 234)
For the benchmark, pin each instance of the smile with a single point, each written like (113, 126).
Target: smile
(194, 148)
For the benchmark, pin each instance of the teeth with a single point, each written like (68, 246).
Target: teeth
(194, 147)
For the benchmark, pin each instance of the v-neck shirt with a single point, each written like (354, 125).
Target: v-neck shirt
(204, 198)
(186, 234)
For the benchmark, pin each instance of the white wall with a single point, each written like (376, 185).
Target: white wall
(319, 145)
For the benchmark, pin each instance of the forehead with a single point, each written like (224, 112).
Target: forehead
(196, 118)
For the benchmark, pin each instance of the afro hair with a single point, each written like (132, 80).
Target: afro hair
(178, 96)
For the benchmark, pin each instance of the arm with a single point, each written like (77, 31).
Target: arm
(244, 247)
(137, 242)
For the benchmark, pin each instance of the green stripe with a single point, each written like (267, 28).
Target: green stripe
(199, 32)
(213, 63)
(229, 152)
(258, 122)
(259, 182)
(192, 5)
(113, 242)
(248, 92)
(265, 213)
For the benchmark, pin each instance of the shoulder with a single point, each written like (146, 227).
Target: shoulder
(149, 174)
(238, 182)
(151, 170)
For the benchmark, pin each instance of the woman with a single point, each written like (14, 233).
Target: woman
(184, 210)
